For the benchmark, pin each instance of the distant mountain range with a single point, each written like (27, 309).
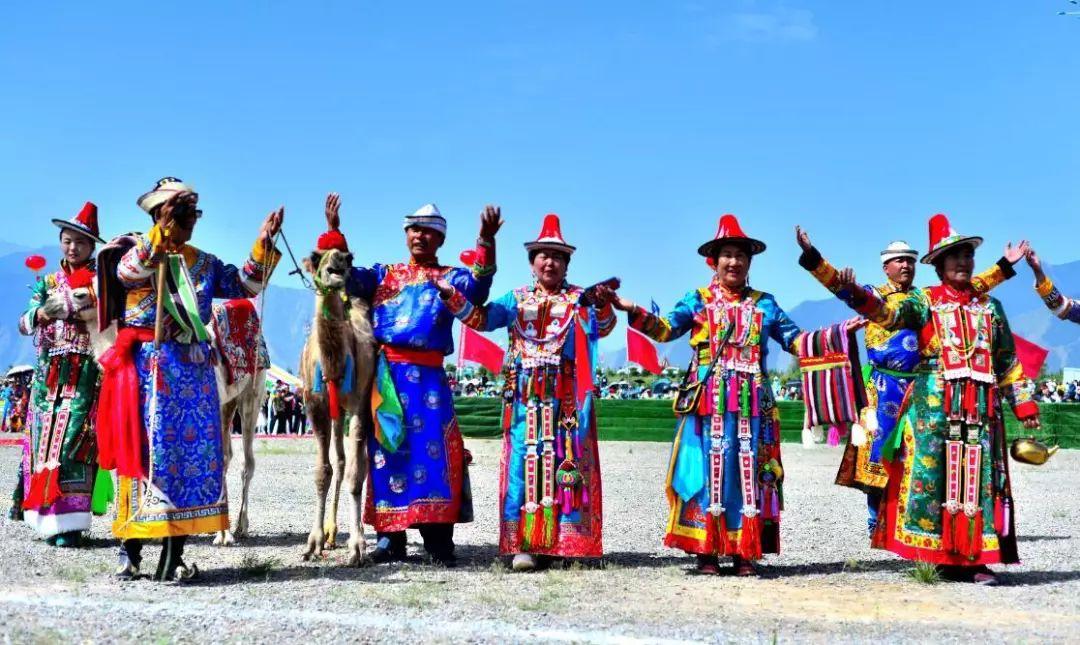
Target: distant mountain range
(290, 310)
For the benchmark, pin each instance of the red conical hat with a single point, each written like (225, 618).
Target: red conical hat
(85, 222)
(550, 237)
(943, 236)
(729, 231)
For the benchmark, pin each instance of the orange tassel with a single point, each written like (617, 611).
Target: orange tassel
(750, 538)
(54, 373)
(947, 524)
(717, 538)
(961, 534)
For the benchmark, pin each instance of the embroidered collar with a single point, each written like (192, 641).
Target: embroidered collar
(729, 295)
(539, 290)
(949, 293)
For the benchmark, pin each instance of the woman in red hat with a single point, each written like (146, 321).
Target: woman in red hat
(550, 501)
(59, 480)
(725, 480)
(948, 498)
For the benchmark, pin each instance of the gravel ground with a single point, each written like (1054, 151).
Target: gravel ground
(827, 585)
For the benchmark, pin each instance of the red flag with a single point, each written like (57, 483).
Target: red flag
(1030, 355)
(640, 350)
(476, 348)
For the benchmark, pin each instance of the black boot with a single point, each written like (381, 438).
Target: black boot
(130, 559)
(171, 565)
(389, 547)
(439, 544)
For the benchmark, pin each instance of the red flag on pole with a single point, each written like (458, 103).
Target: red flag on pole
(640, 350)
(476, 348)
(1030, 355)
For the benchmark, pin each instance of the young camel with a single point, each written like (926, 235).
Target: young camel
(337, 367)
(241, 390)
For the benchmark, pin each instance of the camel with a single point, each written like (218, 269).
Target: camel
(241, 384)
(339, 355)
(241, 390)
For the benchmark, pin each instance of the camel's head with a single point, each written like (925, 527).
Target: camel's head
(330, 268)
(81, 305)
(85, 308)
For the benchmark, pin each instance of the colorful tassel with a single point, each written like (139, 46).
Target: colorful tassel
(549, 526)
(347, 379)
(333, 399)
(318, 385)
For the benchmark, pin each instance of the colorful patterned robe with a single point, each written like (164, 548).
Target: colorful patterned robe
(549, 482)
(184, 493)
(423, 479)
(60, 457)
(893, 354)
(1062, 306)
(725, 478)
(948, 499)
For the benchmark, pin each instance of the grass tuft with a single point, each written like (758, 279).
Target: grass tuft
(252, 566)
(925, 572)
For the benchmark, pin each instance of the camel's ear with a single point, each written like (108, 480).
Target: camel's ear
(311, 262)
(348, 258)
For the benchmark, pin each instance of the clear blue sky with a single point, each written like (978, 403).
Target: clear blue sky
(640, 123)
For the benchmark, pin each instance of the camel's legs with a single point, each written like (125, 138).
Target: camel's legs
(228, 410)
(330, 522)
(320, 422)
(251, 401)
(355, 474)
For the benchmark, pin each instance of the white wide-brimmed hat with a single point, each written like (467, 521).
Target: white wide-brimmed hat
(898, 249)
(165, 188)
(427, 216)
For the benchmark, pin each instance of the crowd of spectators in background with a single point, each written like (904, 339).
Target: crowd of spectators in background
(1050, 391)
(283, 411)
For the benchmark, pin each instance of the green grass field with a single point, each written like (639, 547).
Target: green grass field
(653, 420)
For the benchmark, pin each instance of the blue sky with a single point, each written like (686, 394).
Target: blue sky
(640, 123)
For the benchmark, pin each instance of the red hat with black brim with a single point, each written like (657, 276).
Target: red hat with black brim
(550, 237)
(943, 237)
(729, 232)
(85, 223)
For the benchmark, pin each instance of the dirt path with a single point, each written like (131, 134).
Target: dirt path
(825, 586)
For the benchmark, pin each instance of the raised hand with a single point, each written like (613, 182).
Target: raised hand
(333, 211)
(1014, 253)
(490, 222)
(1035, 263)
(1031, 423)
(846, 279)
(271, 225)
(803, 238)
(166, 219)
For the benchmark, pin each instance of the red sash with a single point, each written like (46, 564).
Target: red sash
(121, 436)
(421, 357)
